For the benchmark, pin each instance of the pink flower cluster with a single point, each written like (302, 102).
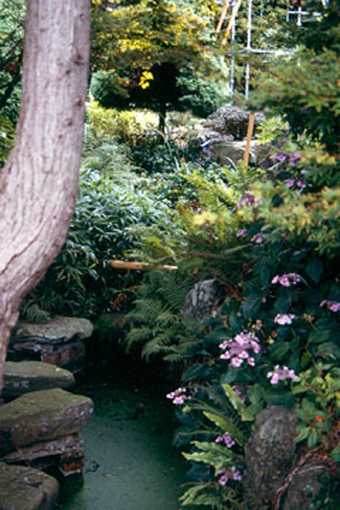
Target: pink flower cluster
(257, 239)
(227, 475)
(333, 306)
(281, 374)
(284, 319)
(178, 396)
(242, 232)
(295, 183)
(226, 439)
(236, 349)
(287, 279)
(248, 200)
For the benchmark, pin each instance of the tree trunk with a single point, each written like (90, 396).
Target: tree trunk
(39, 183)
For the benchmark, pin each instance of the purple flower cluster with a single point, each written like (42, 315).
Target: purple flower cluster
(281, 374)
(283, 157)
(178, 396)
(287, 279)
(236, 349)
(226, 439)
(333, 306)
(284, 319)
(227, 475)
(248, 200)
(295, 183)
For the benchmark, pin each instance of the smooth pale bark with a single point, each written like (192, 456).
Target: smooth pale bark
(39, 183)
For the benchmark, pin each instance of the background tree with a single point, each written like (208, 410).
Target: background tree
(39, 183)
(158, 54)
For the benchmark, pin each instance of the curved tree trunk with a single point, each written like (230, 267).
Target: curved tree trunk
(39, 183)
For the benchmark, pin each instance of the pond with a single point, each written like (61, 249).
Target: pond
(130, 461)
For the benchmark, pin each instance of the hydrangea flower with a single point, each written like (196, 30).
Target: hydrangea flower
(281, 374)
(248, 200)
(178, 396)
(227, 475)
(295, 183)
(294, 158)
(333, 306)
(287, 279)
(226, 439)
(280, 157)
(257, 239)
(284, 319)
(242, 232)
(237, 350)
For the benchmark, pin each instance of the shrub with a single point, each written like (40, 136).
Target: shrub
(81, 281)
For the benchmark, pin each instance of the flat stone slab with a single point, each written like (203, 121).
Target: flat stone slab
(26, 376)
(58, 342)
(56, 330)
(23, 488)
(41, 416)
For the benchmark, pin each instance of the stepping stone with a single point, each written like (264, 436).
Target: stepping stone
(26, 376)
(23, 488)
(41, 416)
(59, 342)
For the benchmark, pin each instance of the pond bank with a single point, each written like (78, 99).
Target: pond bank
(130, 461)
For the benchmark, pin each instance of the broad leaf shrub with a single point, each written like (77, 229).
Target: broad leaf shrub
(271, 238)
(81, 281)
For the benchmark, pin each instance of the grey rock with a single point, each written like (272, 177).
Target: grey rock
(41, 416)
(23, 488)
(269, 455)
(59, 341)
(305, 486)
(202, 300)
(232, 120)
(56, 330)
(26, 376)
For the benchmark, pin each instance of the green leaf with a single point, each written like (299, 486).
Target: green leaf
(237, 403)
(335, 454)
(226, 425)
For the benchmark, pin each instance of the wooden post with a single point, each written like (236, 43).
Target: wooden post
(250, 132)
(223, 15)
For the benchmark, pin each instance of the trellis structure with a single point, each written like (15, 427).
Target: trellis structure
(293, 13)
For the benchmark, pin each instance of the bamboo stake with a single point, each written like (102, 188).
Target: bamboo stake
(250, 132)
(137, 266)
(231, 22)
(223, 16)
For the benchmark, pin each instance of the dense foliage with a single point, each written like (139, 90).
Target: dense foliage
(267, 235)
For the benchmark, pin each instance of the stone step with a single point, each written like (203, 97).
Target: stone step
(41, 416)
(27, 376)
(23, 488)
(60, 341)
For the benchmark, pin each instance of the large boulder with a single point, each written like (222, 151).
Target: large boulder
(23, 488)
(26, 376)
(232, 120)
(203, 299)
(41, 416)
(58, 341)
(269, 456)
(307, 484)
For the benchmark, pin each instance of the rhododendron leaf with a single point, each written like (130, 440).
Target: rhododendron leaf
(315, 269)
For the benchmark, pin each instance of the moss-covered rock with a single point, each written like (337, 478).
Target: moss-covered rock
(23, 488)
(26, 376)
